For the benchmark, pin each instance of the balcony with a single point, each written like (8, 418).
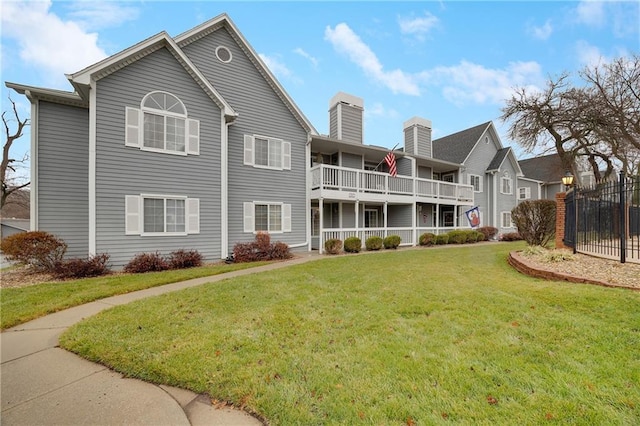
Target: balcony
(345, 183)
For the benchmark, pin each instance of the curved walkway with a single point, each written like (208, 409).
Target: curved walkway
(43, 384)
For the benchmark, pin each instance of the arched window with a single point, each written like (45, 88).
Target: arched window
(164, 122)
(161, 124)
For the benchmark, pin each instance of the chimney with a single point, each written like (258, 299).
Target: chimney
(346, 118)
(417, 137)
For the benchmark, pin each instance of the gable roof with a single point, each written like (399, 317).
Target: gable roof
(498, 159)
(456, 147)
(546, 168)
(81, 80)
(223, 20)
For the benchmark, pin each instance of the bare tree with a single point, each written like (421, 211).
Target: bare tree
(9, 165)
(597, 124)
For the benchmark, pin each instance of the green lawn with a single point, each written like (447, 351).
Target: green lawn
(420, 337)
(19, 305)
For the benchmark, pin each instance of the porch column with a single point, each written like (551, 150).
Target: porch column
(414, 218)
(437, 207)
(356, 207)
(321, 227)
(384, 209)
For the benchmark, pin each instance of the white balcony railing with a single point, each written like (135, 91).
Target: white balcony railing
(354, 180)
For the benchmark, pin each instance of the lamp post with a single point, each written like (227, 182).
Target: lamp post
(567, 180)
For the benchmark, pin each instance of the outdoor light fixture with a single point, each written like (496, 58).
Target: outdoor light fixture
(567, 179)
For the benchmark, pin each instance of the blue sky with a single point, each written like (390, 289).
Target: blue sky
(451, 62)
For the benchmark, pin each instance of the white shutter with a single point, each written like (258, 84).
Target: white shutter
(133, 214)
(286, 155)
(248, 150)
(193, 137)
(193, 215)
(132, 135)
(249, 222)
(286, 218)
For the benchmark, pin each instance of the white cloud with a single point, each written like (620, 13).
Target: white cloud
(101, 14)
(418, 27)
(278, 68)
(590, 55)
(306, 55)
(345, 41)
(541, 33)
(473, 83)
(48, 43)
(378, 110)
(591, 13)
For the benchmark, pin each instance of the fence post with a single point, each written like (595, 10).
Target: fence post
(623, 219)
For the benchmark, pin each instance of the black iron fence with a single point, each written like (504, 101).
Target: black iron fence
(604, 219)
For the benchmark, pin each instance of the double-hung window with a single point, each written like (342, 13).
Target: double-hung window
(267, 217)
(505, 184)
(476, 182)
(524, 193)
(161, 215)
(506, 220)
(162, 125)
(267, 153)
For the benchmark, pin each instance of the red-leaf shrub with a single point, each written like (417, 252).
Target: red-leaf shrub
(146, 262)
(279, 251)
(182, 259)
(333, 246)
(489, 232)
(511, 236)
(92, 266)
(260, 249)
(536, 221)
(39, 250)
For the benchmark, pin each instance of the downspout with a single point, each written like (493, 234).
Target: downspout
(307, 180)
(224, 186)
(92, 167)
(495, 201)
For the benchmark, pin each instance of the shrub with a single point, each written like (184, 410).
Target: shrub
(489, 232)
(392, 241)
(279, 251)
(479, 236)
(373, 243)
(39, 250)
(182, 259)
(536, 221)
(471, 235)
(442, 239)
(333, 246)
(146, 262)
(93, 266)
(510, 236)
(427, 239)
(457, 237)
(260, 249)
(352, 245)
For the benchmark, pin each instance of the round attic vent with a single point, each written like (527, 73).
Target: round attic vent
(223, 54)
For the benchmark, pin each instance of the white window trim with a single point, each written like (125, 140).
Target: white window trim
(502, 224)
(479, 182)
(250, 216)
(527, 193)
(250, 152)
(134, 128)
(502, 180)
(134, 215)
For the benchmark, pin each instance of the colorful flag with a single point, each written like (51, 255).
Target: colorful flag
(473, 216)
(390, 159)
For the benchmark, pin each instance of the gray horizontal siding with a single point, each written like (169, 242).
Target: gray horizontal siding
(261, 112)
(399, 215)
(63, 165)
(404, 166)
(424, 141)
(351, 124)
(124, 170)
(424, 172)
(333, 122)
(353, 161)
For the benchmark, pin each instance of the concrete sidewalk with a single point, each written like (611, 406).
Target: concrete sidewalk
(43, 384)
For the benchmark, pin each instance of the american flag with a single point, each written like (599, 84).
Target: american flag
(390, 159)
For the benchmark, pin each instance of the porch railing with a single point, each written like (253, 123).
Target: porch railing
(355, 180)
